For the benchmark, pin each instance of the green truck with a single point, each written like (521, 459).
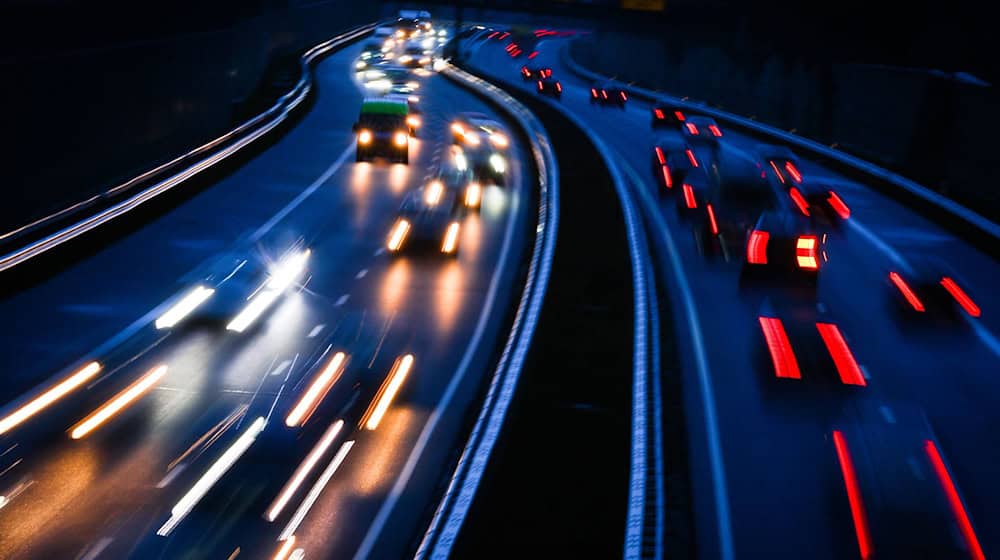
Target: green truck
(382, 130)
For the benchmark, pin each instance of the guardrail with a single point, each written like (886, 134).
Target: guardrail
(43, 235)
(976, 229)
(454, 507)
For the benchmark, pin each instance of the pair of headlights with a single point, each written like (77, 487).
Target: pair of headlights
(365, 137)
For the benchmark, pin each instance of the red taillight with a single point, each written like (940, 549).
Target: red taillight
(624, 97)
(799, 200)
(847, 366)
(777, 172)
(593, 92)
(604, 93)
(691, 158)
(692, 129)
(838, 206)
(540, 86)
(960, 296)
(559, 87)
(805, 252)
(714, 130)
(907, 292)
(711, 219)
(666, 177)
(658, 114)
(689, 196)
(679, 115)
(532, 55)
(955, 501)
(785, 364)
(504, 36)
(853, 496)
(509, 47)
(757, 247)
(659, 155)
(494, 34)
(793, 171)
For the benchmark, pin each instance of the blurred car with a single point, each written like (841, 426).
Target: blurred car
(665, 116)
(472, 195)
(428, 221)
(932, 289)
(382, 130)
(694, 192)
(784, 244)
(819, 202)
(472, 130)
(781, 162)
(805, 341)
(701, 129)
(608, 93)
(529, 73)
(672, 160)
(414, 57)
(550, 87)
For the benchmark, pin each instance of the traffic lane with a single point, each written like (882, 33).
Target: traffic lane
(51, 325)
(878, 343)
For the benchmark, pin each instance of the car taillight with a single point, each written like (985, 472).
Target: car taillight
(757, 247)
(714, 130)
(805, 252)
(711, 219)
(785, 364)
(793, 171)
(593, 92)
(799, 201)
(559, 87)
(666, 177)
(777, 172)
(961, 297)
(624, 96)
(604, 93)
(532, 55)
(659, 155)
(658, 114)
(691, 158)
(540, 86)
(838, 206)
(679, 115)
(907, 292)
(692, 128)
(843, 359)
(689, 196)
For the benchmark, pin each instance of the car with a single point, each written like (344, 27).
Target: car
(701, 129)
(535, 73)
(782, 243)
(803, 341)
(672, 160)
(666, 116)
(471, 129)
(236, 291)
(550, 87)
(382, 130)
(608, 93)
(895, 485)
(383, 32)
(819, 202)
(428, 221)
(781, 162)
(414, 57)
(930, 289)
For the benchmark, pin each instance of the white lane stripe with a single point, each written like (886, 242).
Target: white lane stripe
(280, 215)
(375, 529)
(171, 476)
(361, 273)
(316, 330)
(342, 300)
(988, 338)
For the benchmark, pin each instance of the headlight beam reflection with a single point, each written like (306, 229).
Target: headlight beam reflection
(118, 402)
(316, 391)
(57, 392)
(184, 307)
(387, 392)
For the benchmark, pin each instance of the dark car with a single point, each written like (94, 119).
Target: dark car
(783, 244)
(819, 202)
(931, 289)
(535, 73)
(549, 86)
(701, 129)
(608, 93)
(666, 116)
(382, 130)
(428, 221)
(780, 162)
(672, 160)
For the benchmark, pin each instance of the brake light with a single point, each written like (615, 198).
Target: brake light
(838, 206)
(692, 128)
(777, 172)
(853, 496)
(540, 86)
(711, 219)
(532, 55)
(847, 366)
(907, 292)
(691, 158)
(805, 252)
(955, 501)
(666, 177)
(960, 296)
(793, 171)
(689, 196)
(679, 115)
(785, 364)
(559, 87)
(593, 92)
(494, 34)
(658, 113)
(715, 130)
(757, 247)
(659, 155)
(624, 97)
(799, 201)
(604, 93)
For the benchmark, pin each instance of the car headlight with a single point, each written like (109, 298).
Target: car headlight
(425, 60)
(499, 140)
(458, 129)
(472, 139)
(400, 139)
(360, 65)
(365, 137)
(412, 85)
(413, 121)
(405, 58)
(498, 164)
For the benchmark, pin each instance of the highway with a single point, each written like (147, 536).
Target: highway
(194, 464)
(921, 417)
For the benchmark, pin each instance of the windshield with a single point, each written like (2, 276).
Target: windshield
(381, 121)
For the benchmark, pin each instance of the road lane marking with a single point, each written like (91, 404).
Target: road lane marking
(318, 328)
(163, 483)
(342, 300)
(361, 273)
(281, 368)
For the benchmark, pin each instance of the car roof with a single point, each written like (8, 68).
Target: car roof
(698, 119)
(384, 106)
